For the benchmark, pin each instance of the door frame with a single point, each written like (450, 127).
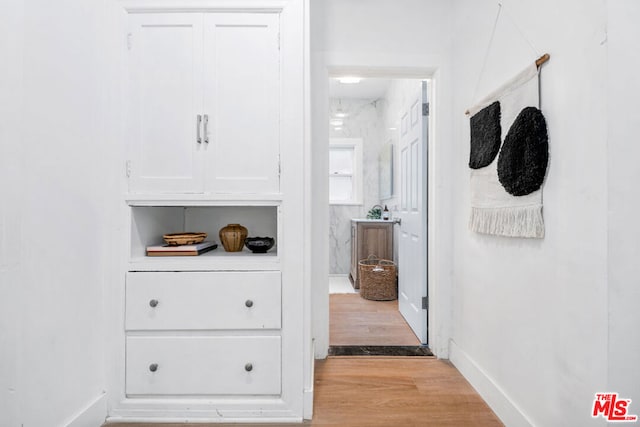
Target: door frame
(439, 242)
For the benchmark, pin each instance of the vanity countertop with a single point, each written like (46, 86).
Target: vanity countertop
(370, 220)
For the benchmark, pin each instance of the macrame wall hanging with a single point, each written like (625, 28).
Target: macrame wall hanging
(508, 157)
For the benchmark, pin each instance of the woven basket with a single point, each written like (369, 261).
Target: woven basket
(176, 239)
(378, 279)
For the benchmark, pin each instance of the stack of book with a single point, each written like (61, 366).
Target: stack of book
(181, 250)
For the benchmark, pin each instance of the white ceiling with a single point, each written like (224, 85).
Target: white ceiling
(368, 88)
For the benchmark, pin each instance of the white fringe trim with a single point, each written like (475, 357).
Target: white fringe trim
(522, 221)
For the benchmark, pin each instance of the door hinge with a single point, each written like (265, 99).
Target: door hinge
(127, 168)
(129, 41)
(425, 109)
(279, 167)
(425, 303)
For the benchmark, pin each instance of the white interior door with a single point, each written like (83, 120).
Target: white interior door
(412, 245)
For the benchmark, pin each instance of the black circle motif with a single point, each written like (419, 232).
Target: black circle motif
(522, 163)
(486, 136)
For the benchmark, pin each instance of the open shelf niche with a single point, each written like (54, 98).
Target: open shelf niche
(149, 223)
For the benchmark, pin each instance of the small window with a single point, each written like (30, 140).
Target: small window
(345, 171)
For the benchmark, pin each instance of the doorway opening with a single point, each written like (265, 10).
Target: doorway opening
(378, 157)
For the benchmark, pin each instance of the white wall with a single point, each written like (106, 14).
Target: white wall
(405, 38)
(532, 327)
(58, 148)
(319, 187)
(623, 117)
(11, 159)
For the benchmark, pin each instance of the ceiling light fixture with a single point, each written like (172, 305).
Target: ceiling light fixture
(349, 80)
(336, 122)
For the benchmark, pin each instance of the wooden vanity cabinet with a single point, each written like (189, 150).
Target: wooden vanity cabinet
(369, 238)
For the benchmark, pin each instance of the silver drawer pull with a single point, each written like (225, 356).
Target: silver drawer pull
(153, 303)
(248, 367)
(153, 367)
(248, 303)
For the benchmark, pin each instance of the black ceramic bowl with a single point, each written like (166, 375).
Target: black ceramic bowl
(259, 245)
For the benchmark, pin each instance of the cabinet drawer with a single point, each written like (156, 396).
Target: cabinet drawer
(203, 365)
(203, 300)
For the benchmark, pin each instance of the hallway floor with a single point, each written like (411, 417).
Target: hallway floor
(405, 391)
(357, 321)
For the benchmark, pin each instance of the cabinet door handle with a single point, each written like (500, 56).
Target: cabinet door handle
(248, 303)
(206, 129)
(153, 303)
(153, 367)
(198, 122)
(248, 367)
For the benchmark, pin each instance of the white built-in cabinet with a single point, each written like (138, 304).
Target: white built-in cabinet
(204, 102)
(214, 130)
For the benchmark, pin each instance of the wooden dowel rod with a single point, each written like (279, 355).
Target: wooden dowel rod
(544, 58)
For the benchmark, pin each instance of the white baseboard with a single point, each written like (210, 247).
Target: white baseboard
(307, 398)
(496, 398)
(93, 415)
(308, 404)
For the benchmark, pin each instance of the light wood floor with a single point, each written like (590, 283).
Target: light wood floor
(357, 321)
(408, 391)
(390, 392)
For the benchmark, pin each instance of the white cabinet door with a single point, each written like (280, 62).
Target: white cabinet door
(165, 99)
(242, 101)
(204, 93)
